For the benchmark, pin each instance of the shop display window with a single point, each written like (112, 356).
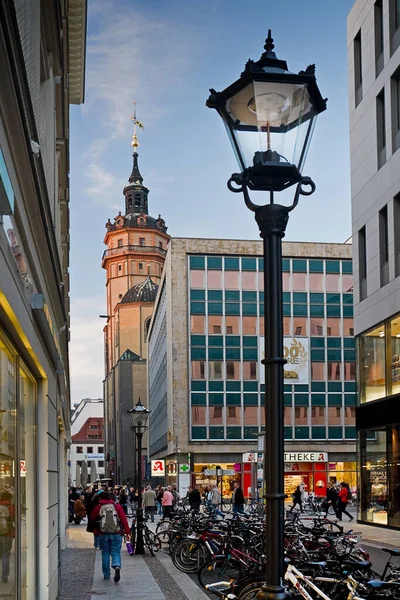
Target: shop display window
(214, 324)
(249, 325)
(373, 463)
(395, 354)
(232, 325)
(198, 415)
(197, 324)
(372, 362)
(299, 326)
(198, 369)
(214, 279)
(215, 370)
(232, 370)
(197, 279)
(394, 475)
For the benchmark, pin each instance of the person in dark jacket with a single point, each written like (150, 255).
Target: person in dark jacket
(297, 499)
(237, 498)
(331, 498)
(194, 499)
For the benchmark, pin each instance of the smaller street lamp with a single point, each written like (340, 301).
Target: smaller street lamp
(139, 416)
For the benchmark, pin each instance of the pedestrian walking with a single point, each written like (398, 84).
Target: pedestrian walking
(123, 500)
(194, 499)
(237, 498)
(149, 503)
(331, 499)
(79, 509)
(344, 497)
(7, 532)
(167, 502)
(159, 495)
(112, 524)
(175, 494)
(297, 499)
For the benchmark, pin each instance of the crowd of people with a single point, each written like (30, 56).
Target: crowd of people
(337, 497)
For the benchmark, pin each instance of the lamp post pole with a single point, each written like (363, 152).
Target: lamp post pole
(139, 546)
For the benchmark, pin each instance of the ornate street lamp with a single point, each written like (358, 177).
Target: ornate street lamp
(139, 416)
(270, 114)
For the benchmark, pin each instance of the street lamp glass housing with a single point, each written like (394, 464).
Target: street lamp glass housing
(139, 416)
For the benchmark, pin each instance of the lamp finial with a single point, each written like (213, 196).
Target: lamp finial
(269, 43)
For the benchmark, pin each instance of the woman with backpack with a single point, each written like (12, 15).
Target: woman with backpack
(111, 525)
(343, 499)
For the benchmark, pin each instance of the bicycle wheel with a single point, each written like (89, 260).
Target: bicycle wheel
(189, 555)
(151, 541)
(221, 568)
(163, 525)
(250, 591)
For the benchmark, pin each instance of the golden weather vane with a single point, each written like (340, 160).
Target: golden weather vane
(136, 123)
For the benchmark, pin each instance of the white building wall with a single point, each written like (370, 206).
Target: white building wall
(86, 409)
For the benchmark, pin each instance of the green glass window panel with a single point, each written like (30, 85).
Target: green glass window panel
(287, 310)
(349, 342)
(349, 399)
(198, 386)
(233, 386)
(335, 400)
(249, 264)
(350, 433)
(318, 433)
(232, 295)
(261, 264)
(334, 386)
(250, 340)
(250, 399)
(250, 386)
(316, 298)
(215, 295)
(215, 354)
(216, 399)
(232, 340)
(197, 262)
(349, 355)
(317, 310)
(232, 308)
(332, 266)
(261, 309)
(285, 265)
(199, 399)
(197, 308)
(197, 294)
(317, 386)
(335, 433)
(288, 433)
(261, 296)
(262, 399)
(318, 399)
(233, 433)
(287, 387)
(302, 387)
(215, 340)
(232, 353)
(299, 266)
(332, 298)
(347, 266)
(350, 386)
(249, 309)
(262, 387)
(250, 353)
(231, 264)
(348, 299)
(317, 342)
(216, 433)
(300, 297)
(301, 400)
(286, 296)
(334, 355)
(215, 386)
(316, 266)
(287, 399)
(214, 262)
(300, 310)
(301, 433)
(198, 340)
(198, 353)
(215, 308)
(318, 355)
(347, 311)
(249, 296)
(333, 310)
(199, 433)
(250, 433)
(334, 342)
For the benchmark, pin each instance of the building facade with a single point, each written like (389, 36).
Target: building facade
(206, 383)
(374, 104)
(134, 259)
(87, 440)
(42, 66)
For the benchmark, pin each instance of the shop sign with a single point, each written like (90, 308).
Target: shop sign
(295, 351)
(184, 468)
(292, 467)
(305, 457)
(158, 468)
(213, 472)
(92, 456)
(22, 468)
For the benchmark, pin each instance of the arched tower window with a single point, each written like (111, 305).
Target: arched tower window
(138, 199)
(146, 327)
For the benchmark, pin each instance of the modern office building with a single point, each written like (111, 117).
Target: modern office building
(206, 383)
(374, 104)
(42, 69)
(134, 259)
(87, 440)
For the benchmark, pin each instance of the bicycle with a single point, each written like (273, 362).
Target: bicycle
(149, 539)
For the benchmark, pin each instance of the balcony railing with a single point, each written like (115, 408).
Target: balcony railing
(136, 249)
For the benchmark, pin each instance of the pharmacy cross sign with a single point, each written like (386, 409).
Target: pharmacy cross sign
(184, 468)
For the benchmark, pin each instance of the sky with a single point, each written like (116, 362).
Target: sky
(165, 55)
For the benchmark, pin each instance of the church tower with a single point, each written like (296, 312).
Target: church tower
(134, 259)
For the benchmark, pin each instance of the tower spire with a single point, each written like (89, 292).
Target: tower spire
(135, 192)
(135, 175)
